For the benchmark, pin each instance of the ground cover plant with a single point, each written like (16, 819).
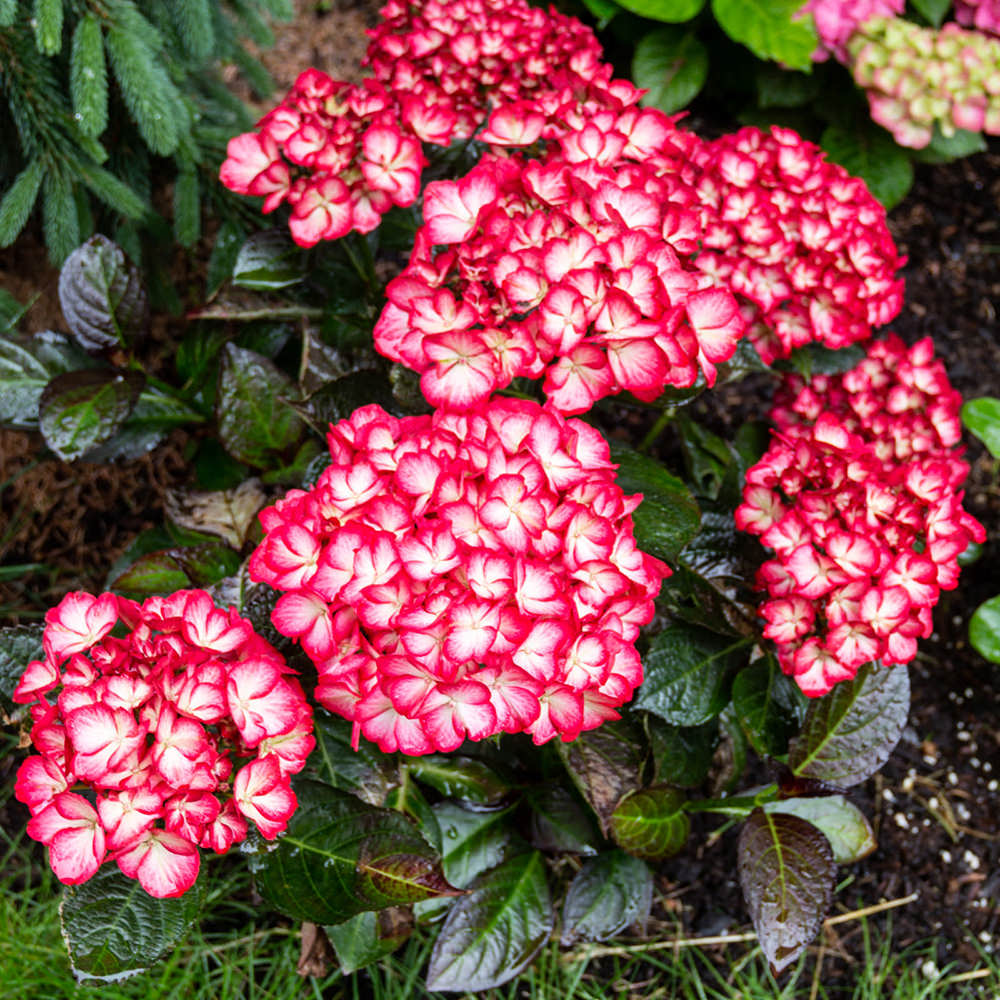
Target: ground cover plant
(437, 623)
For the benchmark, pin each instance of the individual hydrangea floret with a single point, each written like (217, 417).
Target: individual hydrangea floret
(575, 267)
(983, 15)
(460, 575)
(858, 497)
(837, 20)
(160, 728)
(918, 78)
(804, 243)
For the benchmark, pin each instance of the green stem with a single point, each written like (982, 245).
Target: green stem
(656, 430)
(736, 805)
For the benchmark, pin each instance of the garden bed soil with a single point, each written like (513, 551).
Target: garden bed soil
(935, 805)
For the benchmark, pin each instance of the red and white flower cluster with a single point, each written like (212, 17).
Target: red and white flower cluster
(460, 575)
(353, 155)
(858, 498)
(160, 728)
(983, 15)
(575, 267)
(342, 155)
(837, 20)
(799, 238)
(917, 78)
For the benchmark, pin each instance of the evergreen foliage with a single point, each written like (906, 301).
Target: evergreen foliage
(99, 96)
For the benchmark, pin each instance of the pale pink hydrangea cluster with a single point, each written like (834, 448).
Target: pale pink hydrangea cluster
(837, 20)
(575, 267)
(917, 78)
(983, 15)
(797, 237)
(160, 728)
(858, 497)
(461, 575)
(342, 155)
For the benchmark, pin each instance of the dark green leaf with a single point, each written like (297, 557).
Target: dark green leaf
(269, 260)
(688, 671)
(187, 208)
(933, 10)
(255, 422)
(682, 755)
(222, 260)
(88, 77)
(19, 645)
(608, 894)
(984, 630)
(114, 928)
(815, 359)
(603, 11)
(770, 29)
(668, 517)
(320, 365)
(944, 149)
(342, 856)
(560, 822)
(843, 824)
(369, 936)
(787, 874)
(651, 823)
(868, 152)
(102, 296)
(768, 705)
(155, 573)
(605, 764)
(19, 200)
(367, 772)
(672, 64)
(337, 400)
(849, 733)
(781, 88)
(80, 410)
(982, 417)
(408, 798)
(472, 840)
(206, 564)
(495, 931)
(673, 11)
(460, 777)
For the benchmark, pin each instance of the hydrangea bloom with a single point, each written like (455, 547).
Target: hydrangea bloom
(983, 15)
(799, 238)
(464, 574)
(917, 78)
(858, 497)
(342, 155)
(837, 20)
(575, 267)
(178, 723)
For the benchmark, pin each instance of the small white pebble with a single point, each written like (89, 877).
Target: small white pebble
(952, 779)
(964, 735)
(985, 936)
(887, 795)
(907, 784)
(992, 785)
(945, 856)
(932, 802)
(975, 762)
(987, 767)
(901, 821)
(972, 860)
(929, 970)
(962, 812)
(930, 760)
(968, 692)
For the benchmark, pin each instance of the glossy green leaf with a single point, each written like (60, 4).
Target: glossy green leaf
(672, 11)
(843, 824)
(268, 260)
(982, 417)
(816, 359)
(668, 517)
(868, 152)
(787, 874)
(984, 630)
(933, 10)
(767, 703)
(369, 936)
(472, 840)
(495, 931)
(225, 250)
(80, 410)
(606, 764)
(341, 856)
(102, 296)
(682, 755)
(367, 772)
(651, 823)
(560, 822)
(339, 398)
(255, 421)
(26, 368)
(154, 573)
(672, 65)
(945, 148)
(849, 733)
(114, 928)
(608, 894)
(688, 672)
(19, 645)
(770, 29)
(459, 777)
